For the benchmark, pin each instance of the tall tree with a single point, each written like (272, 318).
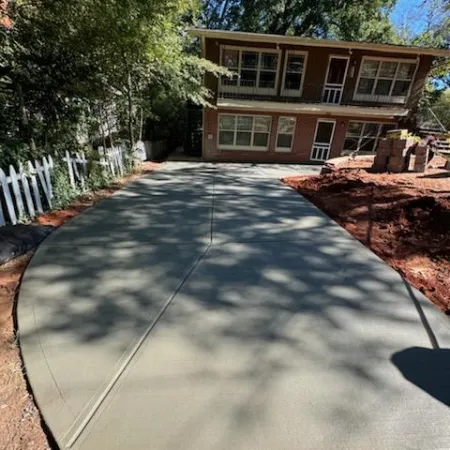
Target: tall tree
(341, 19)
(66, 63)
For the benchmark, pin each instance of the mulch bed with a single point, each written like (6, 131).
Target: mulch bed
(403, 218)
(21, 425)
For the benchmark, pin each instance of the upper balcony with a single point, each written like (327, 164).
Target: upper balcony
(265, 75)
(329, 94)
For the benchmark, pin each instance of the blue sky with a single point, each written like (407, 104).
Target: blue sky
(412, 13)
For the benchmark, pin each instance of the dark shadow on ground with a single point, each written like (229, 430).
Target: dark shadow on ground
(428, 369)
(437, 175)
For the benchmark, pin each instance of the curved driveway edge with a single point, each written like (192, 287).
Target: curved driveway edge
(210, 307)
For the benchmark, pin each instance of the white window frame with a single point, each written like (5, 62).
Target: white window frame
(398, 99)
(335, 86)
(285, 149)
(243, 147)
(224, 88)
(361, 137)
(323, 148)
(293, 92)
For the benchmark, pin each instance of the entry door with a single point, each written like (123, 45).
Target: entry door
(335, 80)
(323, 139)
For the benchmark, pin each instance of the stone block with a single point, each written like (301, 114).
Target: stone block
(379, 168)
(419, 167)
(421, 150)
(421, 159)
(381, 159)
(384, 151)
(396, 164)
(384, 143)
(402, 143)
(399, 151)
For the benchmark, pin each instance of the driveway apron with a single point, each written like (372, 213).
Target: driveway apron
(211, 307)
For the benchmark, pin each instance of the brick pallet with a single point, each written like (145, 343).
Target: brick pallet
(393, 155)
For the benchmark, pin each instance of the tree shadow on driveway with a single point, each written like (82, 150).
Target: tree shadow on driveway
(267, 294)
(428, 369)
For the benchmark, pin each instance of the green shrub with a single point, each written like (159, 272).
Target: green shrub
(63, 191)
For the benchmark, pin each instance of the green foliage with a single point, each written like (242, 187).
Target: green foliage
(335, 19)
(436, 15)
(67, 68)
(63, 191)
(441, 108)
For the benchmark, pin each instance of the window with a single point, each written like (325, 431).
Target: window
(294, 70)
(256, 70)
(244, 132)
(363, 136)
(385, 80)
(285, 135)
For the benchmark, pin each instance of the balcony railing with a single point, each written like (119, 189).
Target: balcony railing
(309, 93)
(332, 94)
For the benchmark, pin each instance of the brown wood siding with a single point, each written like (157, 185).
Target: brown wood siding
(316, 69)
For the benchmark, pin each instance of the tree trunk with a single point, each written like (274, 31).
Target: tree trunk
(25, 123)
(130, 110)
(111, 140)
(141, 123)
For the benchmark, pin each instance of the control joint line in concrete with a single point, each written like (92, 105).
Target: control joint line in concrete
(77, 433)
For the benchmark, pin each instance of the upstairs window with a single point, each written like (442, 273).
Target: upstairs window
(364, 136)
(256, 70)
(385, 80)
(294, 71)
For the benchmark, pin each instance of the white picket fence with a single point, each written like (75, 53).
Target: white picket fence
(28, 191)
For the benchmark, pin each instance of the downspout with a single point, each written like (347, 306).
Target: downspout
(203, 55)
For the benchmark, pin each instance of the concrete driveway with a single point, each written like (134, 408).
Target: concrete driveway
(211, 307)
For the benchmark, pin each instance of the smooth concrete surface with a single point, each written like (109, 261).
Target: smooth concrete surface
(208, 306)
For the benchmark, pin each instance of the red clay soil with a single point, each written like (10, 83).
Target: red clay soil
(403, 218)
(20, 421)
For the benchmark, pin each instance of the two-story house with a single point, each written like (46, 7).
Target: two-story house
(297, 99)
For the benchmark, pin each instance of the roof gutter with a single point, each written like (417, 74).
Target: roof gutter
(293, 40)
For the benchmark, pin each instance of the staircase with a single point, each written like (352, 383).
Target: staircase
(441, 143)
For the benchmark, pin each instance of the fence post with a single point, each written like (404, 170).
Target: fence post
(2, 216)
(110, 160)
(34, 185)
(79, 173)
(8, 198)
(48, 177)
(26, 190)
(70, 169)
(16, 189)
(40, 172)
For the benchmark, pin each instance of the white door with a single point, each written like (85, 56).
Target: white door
(323, 138)
(335, 79)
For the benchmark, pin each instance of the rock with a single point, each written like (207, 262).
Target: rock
(15, 240)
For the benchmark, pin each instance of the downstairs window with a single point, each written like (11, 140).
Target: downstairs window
(364, 136)
(239, 132)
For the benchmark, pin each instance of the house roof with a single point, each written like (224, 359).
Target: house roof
(301, 41)
(313, 108)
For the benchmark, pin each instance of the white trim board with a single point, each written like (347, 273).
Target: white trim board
(317, 109)
(294, 40)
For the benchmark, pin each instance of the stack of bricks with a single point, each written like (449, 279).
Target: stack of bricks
(392, 155)
(382, 156)
(421, 159)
